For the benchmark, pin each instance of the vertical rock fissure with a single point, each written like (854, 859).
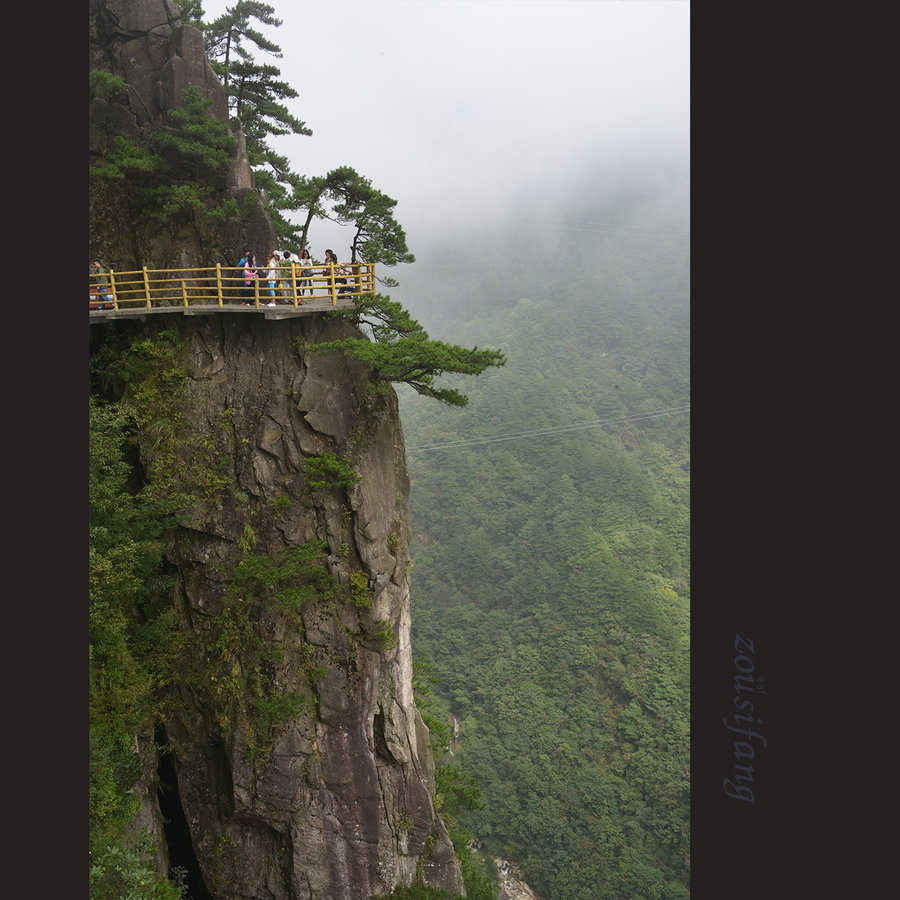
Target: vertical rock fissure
(175, 827)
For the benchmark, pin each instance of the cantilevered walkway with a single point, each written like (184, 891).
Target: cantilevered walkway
(193, 292)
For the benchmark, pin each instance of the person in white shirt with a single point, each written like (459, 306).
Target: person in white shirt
(273, 262)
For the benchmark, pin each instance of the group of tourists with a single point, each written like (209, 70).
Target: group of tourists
(275, 276)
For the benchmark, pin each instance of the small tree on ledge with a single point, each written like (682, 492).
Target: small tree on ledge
(401, 351)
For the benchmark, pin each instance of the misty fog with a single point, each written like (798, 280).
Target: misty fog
(477, 115)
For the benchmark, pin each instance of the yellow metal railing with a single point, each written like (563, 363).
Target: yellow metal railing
(226, 286)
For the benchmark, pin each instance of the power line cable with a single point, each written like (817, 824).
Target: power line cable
(561, 429)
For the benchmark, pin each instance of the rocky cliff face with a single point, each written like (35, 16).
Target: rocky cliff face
(145, 43)
(303, 767)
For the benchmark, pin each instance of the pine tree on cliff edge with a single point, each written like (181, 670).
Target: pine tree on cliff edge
(401, 351)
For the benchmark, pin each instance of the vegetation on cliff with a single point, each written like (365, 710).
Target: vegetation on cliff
(134, 639)
(169, 179)
(400, 350)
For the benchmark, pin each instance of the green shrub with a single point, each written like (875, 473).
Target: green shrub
(386, 634)
(128, 871)
(360, 592)
(328, 470)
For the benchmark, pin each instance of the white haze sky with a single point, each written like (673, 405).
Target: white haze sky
(462, 110)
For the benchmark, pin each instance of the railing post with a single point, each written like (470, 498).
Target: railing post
(184, 292)
(331, 284)
(112, 287)
(146, 286)
(219, 282)
(256, 289)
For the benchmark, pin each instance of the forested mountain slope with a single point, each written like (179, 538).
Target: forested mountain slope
(551, 550)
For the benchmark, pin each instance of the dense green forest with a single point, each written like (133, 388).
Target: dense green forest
(551, 549)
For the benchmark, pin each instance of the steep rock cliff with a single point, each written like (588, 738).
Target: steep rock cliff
(303, 767)
(294, 750)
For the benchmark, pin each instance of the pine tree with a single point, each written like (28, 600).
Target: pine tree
(377, 236)
(255, 96)
(401, 350)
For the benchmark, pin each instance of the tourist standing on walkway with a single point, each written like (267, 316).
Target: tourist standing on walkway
(287, 282)
(306, 271)
(100, 285)
(339, 269)
(272, 263)
(331, 263)
(249, 266)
